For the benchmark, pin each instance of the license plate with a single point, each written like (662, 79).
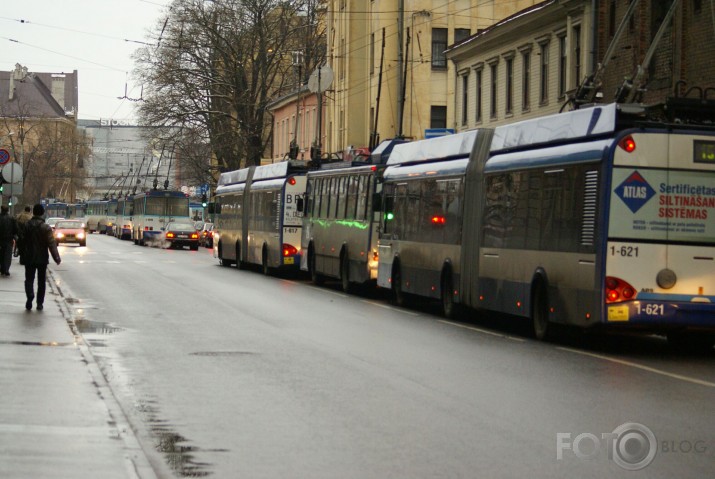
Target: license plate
(182, 236)
(289, 260)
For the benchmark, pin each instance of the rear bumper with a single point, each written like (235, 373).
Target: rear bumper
(697, 313)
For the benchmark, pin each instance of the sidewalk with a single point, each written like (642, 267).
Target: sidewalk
(58, 418)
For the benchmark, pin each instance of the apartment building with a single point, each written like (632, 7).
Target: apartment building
(392, 77)
(523, 66)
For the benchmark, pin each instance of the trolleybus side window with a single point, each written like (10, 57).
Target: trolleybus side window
(539, 210)
(363, 187)
(352, 192)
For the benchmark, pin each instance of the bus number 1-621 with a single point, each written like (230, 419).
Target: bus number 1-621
(625, 251)
(650, 309)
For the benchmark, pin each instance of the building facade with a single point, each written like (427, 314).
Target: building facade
(522, 67)
(392, 77)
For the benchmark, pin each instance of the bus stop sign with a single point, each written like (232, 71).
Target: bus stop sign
(4, 156)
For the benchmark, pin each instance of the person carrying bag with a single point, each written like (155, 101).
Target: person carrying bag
(36, 245)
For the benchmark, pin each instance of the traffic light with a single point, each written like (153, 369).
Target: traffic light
(204, 200)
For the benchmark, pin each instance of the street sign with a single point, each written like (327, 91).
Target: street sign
(12, 173)
(4, 156)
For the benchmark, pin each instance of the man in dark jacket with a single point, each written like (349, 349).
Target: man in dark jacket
(8, 232)
(37, 243)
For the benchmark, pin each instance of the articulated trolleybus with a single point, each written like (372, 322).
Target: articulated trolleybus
(257, 218)
(153, 209)
(600, 216)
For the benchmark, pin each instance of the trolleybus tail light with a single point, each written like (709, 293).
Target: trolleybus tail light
(438, 220)
(291, 181)
(289, 250)
(618, 290)
(628, 144)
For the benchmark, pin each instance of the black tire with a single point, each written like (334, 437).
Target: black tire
(345, 272)
(265, 269)
(540, 312)
(239, 264)
(398, 296)
(83, 243)
(447, 293)
(315, 277)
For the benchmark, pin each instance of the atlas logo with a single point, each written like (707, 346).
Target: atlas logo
(635, 191)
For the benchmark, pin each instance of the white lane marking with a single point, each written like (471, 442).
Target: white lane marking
(391, 308)
(640, 366)
(480, 330)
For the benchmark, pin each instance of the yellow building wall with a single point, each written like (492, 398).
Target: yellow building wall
(354, 46)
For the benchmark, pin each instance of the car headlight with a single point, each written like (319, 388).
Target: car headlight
(60, 235)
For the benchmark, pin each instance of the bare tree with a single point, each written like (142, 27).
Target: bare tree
(217, 65)
(50, 151)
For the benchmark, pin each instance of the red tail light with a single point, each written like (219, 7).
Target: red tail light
(170, 234)
(194, 236)
(289, 250)
(628, 144)
(438, 220)
(618, 290)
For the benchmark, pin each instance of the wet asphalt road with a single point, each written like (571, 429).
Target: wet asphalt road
(228, 373)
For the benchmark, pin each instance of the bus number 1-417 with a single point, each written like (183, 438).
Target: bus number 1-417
(625, 251)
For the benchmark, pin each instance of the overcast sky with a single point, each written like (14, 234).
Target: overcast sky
(94, 37)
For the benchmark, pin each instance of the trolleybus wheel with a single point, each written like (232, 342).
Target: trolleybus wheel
(398, 295)
(345, 272)
(264, 263)
(239, 264)
(540, 312)
(447, 292)
(315, 277)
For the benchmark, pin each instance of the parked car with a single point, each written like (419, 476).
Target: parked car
(53, 221)
(70, 231)
(178, 234)
(207, 235)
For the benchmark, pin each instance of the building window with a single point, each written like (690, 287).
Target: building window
(544, 70)
(526, 80)
(438, 116)
(439, 45)
(493, 91)
(372, 53)
(461, 34)
(576, 33)
(509, 97)
(465, 99)
(479, 101)
(697, 6)
(562, 66)
(343, 59)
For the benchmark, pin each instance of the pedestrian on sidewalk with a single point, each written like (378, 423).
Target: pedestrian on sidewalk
(22, 219)
(36, 245)
(8, 233)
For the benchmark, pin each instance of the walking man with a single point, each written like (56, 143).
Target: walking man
(37, 245)
(8, 231)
